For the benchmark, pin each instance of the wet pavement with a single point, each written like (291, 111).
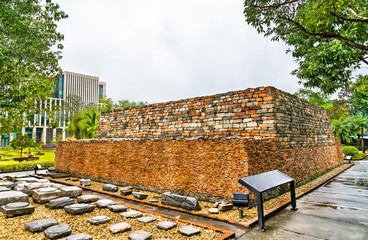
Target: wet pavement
(337, 210)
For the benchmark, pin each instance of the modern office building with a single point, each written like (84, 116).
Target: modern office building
(88, 88)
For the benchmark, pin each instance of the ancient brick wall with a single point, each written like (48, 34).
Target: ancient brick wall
(202, 146)
(259, 113)
(194, 167)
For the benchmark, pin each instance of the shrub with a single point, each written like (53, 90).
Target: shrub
(350, 150)
(24, 165)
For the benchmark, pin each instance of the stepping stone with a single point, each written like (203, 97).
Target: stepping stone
(120, 227)
(126, 190)
(72, 192)
(153, 200)
(103, 203)
(43, 180)
(12, 196)
(40, 225)
(51, 169)
(57, 185)
(58, 231)
(87, 198)
(80, 236)
(59, 202)
(4, 189)
(44, 195)
(140, 235)
(99, 220)
(27, 179)
(30, 187)
(85, 182)
(223, 207)
(110, 188)
(180, 201)
(140, 195)
(58, 175)
(17, 209)
(166, 225)
(146, 219)
(12, 187)
(79, 208)
(189, 231)
(213, 211)
(6, 184)
(117, 208)
(132, 214)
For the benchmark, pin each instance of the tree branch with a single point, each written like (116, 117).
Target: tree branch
(327, 35)
(363, 20)
(357, 15)
(274, 5)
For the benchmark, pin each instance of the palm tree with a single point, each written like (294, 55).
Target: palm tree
(89, 123)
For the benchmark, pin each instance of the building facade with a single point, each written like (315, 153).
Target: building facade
(88, 88)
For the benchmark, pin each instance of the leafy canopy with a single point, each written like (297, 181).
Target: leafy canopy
(328, 38)
(29, 53)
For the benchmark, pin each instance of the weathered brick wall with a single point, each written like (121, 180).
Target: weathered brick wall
(204, 145)
(193, 167)
(259, 113)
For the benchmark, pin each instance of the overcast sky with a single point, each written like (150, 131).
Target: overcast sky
(163, 50)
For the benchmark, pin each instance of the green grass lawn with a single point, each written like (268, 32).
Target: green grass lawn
(359, 155)
(8, 164)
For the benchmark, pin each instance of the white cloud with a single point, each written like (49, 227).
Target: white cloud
(166, 50)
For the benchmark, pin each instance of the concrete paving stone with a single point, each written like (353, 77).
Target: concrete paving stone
(103, 203)
(140, 235)
(87, 198)
(59, 202)
(166, 225)
(80, 236)
(132, 214)
(79, 208)
(189, 231)
(40, 225)
(117, 208)
(140, 195)
(120, 227)
(99, 220)
(58, 231)
(4, 189)
(12, 196)
(6, 184)
(17, 209)
(71, 191)
(146, 219)
(110, 187)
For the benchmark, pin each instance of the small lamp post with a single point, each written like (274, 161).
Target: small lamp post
(37, 167)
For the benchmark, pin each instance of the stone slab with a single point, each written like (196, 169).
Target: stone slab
(99, 220)
(17, 209)
(40, 225)
(140, 235)
(166, 225)
(117, 208)
(126, 190)
(71, 191)
(87, 198)
(85, 182)
(6, 184)
(80, 208)
(4, 189)
(44, 195)
(104, 203)
(176, 200)
(189, 231)
(132, 214)
(140, 195)
(146, 219)
(80, 236)
(58, 231)
(110, 187)
(27, 179)
(59, 202)
(12, 196)
(120, 227)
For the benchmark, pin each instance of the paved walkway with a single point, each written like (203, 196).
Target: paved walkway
(337, 210)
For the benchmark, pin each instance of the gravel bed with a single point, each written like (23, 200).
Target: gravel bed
(13, 228)
(248, 213)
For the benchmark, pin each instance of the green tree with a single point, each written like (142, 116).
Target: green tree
(361, 123)
(317, 98)
(21, 142)
(29, 53)
(90, 121)
(345, 128)
(328, 38)
(126, 103)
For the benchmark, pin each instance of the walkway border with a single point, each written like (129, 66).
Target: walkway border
(248, 224)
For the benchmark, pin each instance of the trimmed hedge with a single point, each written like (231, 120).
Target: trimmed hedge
(350, 150)
(24, 165)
